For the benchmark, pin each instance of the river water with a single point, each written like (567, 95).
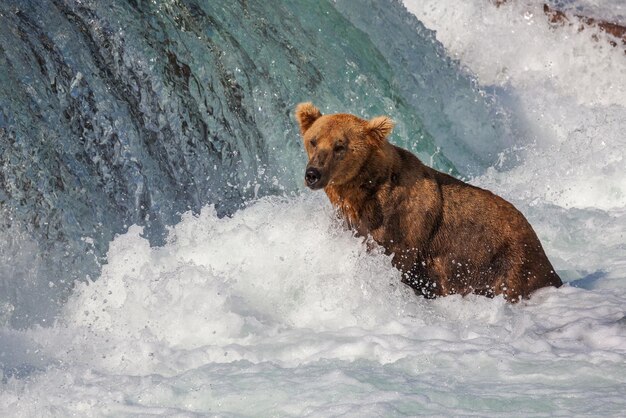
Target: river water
(238, 294)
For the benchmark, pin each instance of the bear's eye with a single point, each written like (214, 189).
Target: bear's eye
(339, 148)
(313, 143)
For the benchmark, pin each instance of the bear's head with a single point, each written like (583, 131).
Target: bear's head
(338, 145)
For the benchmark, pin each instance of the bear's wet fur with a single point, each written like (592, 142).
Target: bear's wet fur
(446, 236)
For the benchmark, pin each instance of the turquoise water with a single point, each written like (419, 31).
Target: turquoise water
(119, 113)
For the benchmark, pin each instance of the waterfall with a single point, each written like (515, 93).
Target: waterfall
(114, 113)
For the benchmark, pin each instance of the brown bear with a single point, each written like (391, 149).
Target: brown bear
(445, 236)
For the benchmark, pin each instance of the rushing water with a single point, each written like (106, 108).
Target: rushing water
(118, 117)
(115, 113)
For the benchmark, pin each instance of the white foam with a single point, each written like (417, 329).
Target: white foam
(264, 274)
(567, 91)
(279, 308)
(515, 45)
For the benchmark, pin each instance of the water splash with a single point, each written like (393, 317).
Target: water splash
(117, 113)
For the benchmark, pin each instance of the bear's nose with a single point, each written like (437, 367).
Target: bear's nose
(312, 176)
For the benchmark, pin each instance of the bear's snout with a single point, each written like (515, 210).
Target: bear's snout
(312, 177)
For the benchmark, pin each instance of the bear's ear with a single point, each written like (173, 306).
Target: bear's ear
(306, 114)
(380, 127)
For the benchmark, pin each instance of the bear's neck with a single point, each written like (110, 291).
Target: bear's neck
(376, 173)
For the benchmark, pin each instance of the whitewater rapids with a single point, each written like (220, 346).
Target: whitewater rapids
(279, 311)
